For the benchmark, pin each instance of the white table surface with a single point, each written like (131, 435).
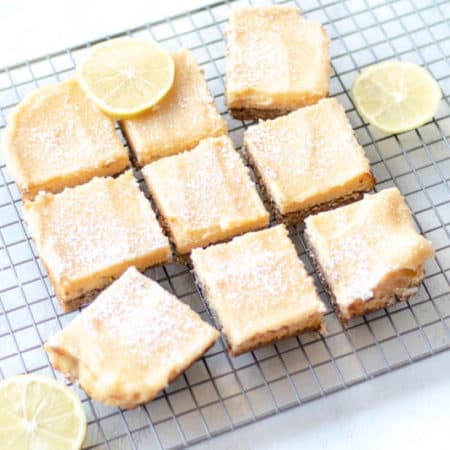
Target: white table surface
(408, 409)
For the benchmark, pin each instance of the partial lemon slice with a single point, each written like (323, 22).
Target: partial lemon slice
(396, 96)
(126, 76)
(38, 412)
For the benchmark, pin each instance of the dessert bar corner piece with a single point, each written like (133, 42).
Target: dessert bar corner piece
(368, 254)
(308, 161)
(276, 62)
(258, 289)
(181, 120)
(205, 195)
(58, 138)
(131, 342)
(89, 235)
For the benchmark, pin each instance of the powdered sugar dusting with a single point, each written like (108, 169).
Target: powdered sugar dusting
(217, 187)
(208, 187)
(254, 276)
(352, 252)
(269, 50)
(93, 227)
(307, 152)
(184, 117)
(58, 131)
(359, 244)
(144, 321)
(132, 340)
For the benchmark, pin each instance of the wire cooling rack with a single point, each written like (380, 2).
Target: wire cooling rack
(219, 393)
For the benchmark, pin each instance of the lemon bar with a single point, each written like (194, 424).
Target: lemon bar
(205, 195)
(89, 235)
(58, 138)
(258, 289)
(368, 253)
(181, 120)
(131, 342)
(308, 161)
(276, 62)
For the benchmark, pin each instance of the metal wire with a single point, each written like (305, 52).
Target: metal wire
(219, 393)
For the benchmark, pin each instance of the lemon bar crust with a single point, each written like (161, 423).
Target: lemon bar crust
(180, 121)
(131, 342)
(407, 287)
(296, 217)
(86, 239)
(258, 289)
(308, 161)
(57, 138)
(204, 195)
(258, 113)
(276, 62)
(368, 254)
(313, 322)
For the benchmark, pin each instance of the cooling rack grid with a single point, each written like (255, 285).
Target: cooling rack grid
(219, 394)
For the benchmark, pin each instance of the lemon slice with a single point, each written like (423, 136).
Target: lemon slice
(126, 76)
(396, 96)
(38, 412)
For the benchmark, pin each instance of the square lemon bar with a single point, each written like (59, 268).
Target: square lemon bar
(308, 161)
(205, 195)
(181, 120)
(57, 138)
(276, 62)
(368, 254)
(89, 235)
(258, 289)
(131, 342)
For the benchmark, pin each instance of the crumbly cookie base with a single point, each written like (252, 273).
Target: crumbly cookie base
(89, 296)
(269, 337)
(78, 302)
(296, 217)
(257, 113)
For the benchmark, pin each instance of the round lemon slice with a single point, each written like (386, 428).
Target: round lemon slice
(37, 412)
(126, 76)
(396, 96)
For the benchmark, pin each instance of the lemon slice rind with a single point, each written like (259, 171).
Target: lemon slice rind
(396, 96)
(35, 409)
(126, 76)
